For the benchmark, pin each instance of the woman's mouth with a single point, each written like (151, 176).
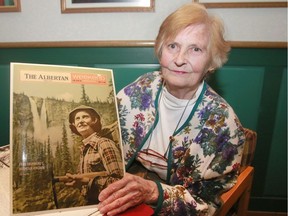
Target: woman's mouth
(81, 125)
(179, 72)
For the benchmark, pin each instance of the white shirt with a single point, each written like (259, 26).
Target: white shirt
(170, 111)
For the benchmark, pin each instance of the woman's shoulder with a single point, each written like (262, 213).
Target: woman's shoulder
(215, 103)
(142, 84)
(214, 107)
(148, 78)
(212, 96)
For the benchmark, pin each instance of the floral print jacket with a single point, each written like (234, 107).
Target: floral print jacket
(205, 151)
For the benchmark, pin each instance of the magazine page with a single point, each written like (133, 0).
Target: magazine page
(64, 137)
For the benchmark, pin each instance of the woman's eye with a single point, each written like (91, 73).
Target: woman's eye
(196, 49)
(172, 46)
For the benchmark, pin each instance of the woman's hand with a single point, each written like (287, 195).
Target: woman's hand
(76, 180)
(127, 192)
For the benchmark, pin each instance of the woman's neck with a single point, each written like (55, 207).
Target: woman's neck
(182, 93)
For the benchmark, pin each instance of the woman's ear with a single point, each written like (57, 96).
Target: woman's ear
(211, 69)
(94, 121)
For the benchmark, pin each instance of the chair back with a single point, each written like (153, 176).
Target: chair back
(249, 148)
(236, 200)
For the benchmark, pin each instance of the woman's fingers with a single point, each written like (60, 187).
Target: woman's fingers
(71, 183)
(118, 197)
(118, 205)
(121, 208)
(114, 187)
(125, 193)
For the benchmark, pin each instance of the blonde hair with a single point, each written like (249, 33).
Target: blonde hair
(191, 14)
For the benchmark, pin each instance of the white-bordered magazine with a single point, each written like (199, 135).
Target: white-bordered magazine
(63, 119)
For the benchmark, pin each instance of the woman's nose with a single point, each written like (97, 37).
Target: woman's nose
(81, 120)
(180, 58)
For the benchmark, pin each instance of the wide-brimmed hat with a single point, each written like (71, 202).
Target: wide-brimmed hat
(80, 108)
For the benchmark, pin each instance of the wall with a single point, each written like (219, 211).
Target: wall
(41, 20)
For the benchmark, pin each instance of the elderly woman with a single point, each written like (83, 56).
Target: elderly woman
(178, 133)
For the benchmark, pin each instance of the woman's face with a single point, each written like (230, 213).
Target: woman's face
(185, 60)
(84, 123)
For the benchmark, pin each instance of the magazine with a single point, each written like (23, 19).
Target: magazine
(64, 137)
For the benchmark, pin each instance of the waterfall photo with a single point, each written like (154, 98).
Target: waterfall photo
(63, 119)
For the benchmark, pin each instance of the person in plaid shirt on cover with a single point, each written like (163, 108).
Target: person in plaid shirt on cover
(100, 158)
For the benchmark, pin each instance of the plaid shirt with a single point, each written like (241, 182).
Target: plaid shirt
(100, 154)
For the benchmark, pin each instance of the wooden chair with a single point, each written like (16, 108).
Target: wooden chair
(240, 194)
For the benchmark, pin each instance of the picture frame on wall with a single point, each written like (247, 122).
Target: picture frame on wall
(243, 3)
(90, 6)
(10, 6)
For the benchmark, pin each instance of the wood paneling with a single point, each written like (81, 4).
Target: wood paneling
(252, 81)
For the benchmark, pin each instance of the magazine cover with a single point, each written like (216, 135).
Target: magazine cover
(64, 137)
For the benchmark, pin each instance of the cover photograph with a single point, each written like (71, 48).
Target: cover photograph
(64, 137)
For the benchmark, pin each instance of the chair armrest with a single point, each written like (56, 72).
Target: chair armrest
(244, 183)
